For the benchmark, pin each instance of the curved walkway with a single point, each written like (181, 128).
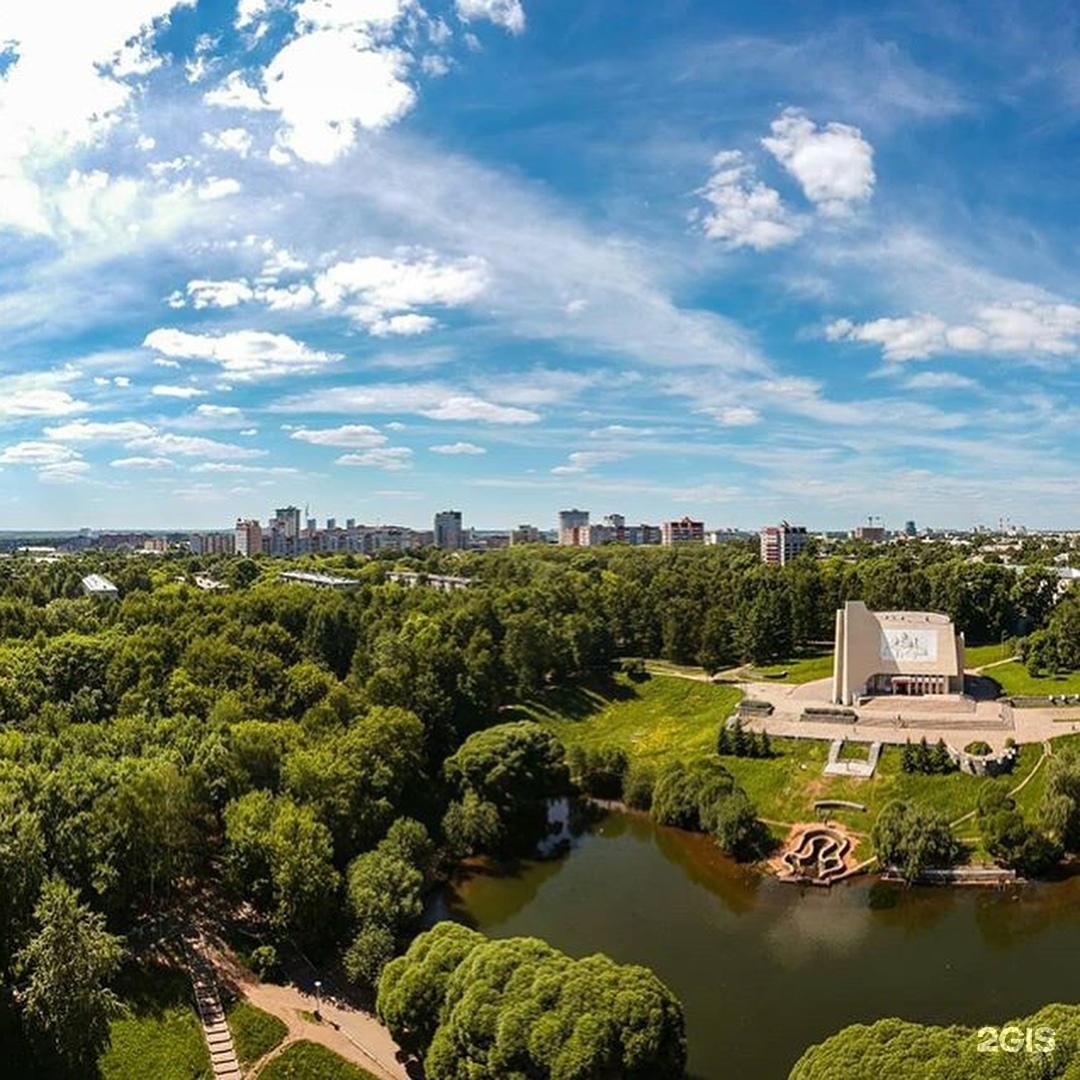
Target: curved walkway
(356, 1036)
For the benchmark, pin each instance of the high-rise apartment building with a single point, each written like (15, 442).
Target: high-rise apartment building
(448, 534)
(248, 537)
(289, 516)
(782, 543)
(683, 531)
(573, 527)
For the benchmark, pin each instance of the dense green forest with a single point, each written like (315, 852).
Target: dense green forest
(326, 755)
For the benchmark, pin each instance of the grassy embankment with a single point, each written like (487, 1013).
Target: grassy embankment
(308, 1061)
(1014, 679)
(804, 668)
(660, 719)
(254, 1032)
(161, 1037)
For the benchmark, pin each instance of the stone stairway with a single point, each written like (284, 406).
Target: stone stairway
(211, 1013)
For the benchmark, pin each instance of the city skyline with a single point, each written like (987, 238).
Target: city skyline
(743, 265)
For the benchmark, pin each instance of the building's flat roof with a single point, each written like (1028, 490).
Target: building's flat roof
(307, 577)
(98, 583)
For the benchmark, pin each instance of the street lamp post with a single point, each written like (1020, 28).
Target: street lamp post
(318, 999)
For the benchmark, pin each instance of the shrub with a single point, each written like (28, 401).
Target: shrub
(264, 962)
(638, 786)
(978, 748)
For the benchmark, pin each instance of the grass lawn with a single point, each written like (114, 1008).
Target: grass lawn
(786, 787)
(254, 1032)
(1028, 801)
(162, 1037)
(660, 719)
(800, 669)
(981, 655)
(308, 1061)
(1014, 679)
(656, 719)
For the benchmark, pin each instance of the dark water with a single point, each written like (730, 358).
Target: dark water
(765, 969)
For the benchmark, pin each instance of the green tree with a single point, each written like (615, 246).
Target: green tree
(68, 963)
(515, 767)
(913, 839)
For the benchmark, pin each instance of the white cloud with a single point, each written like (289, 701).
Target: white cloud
(356, 435)
(834, 164)
(66, 86)
(229, 468)
(216, 187)
(218, 294)
(390, 458)
(403, 326)
(218, 411)
(91, 431)
(1020, 327)
(36, 453)
(581, 461)
(153, 463)
(454, 449)
(235, 92)
(745, 212)
(234, 140)
(382, 293)
(242, 354)
(509, 14)
(736, 416)
(162, 390)
(163, 443)
(38, 401)
(369, 91)
(938, 380)
(437, 401)
(65, 472)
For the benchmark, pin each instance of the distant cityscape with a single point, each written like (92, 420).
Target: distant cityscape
(287, 533)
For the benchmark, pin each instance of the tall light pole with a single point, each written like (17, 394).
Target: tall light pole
(318, 999)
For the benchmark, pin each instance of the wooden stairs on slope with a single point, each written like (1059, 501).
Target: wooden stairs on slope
(211, 1012)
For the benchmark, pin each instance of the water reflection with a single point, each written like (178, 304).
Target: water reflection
(764, 968)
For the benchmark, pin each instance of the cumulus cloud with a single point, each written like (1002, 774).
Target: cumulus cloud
(581, 461)
(218, 294)
(242, 354)
(36, 453)
(736, 416)
(356, 435)
(235, 140)
(437, 401)
(938, 380)
(833, 164)
(152, 463)
(165, 443)
(383, 293)
(92, 431)
(390, 458)
(458, 448)
(184, 392)
(744, 211)
(93, 56)
(1020, 327)
(509, 14)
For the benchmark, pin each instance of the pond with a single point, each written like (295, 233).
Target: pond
(764, 969)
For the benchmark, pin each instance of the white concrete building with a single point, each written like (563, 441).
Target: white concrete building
(912, 653)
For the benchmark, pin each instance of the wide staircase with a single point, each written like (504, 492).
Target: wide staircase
(211, 1012)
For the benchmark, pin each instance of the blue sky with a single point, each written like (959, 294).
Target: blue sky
(802, 260)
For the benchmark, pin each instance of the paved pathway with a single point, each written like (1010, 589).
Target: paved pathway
(919, 717)
(355, 1035)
